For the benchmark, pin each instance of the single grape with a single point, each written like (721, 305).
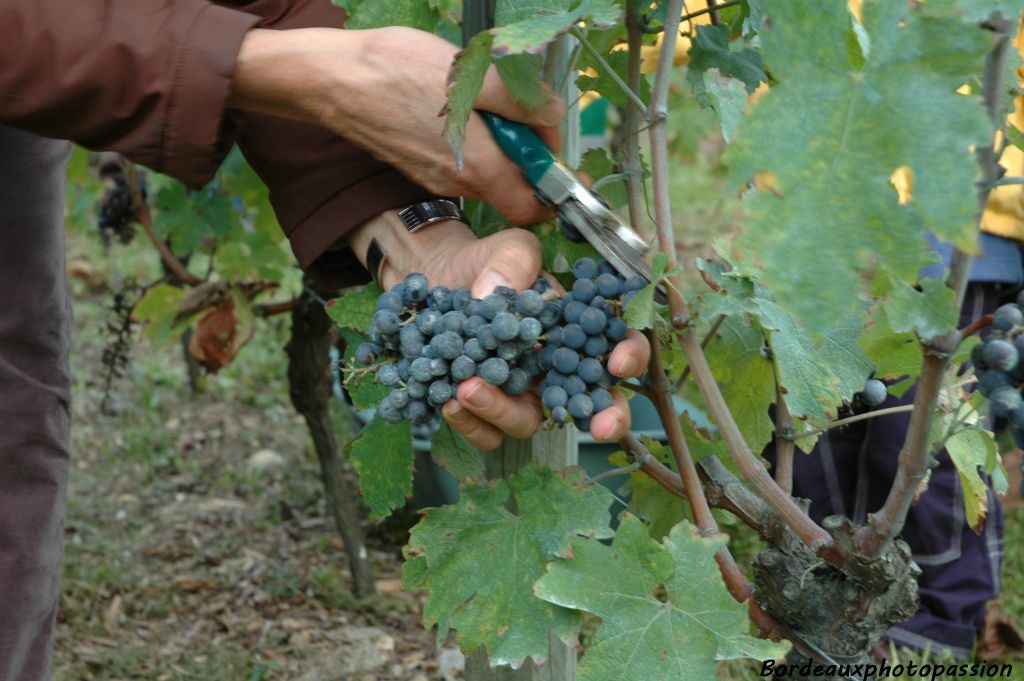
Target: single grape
(605, 267)
(1000, 354)
(554, 396)
(560, 414)
(389, 411)
(990, 380)
(386, 321)
(389, 300)
(602, 399)
(447, 345)
(417, 389)
(584, 268)
(440, 391)
(978, 362)
(1004, 400)
(438, 367)
(403, 368)
(530, 330)
(584, 290)
(416, 288)
(487, 338)
(399, 397)
(471, 327)
(460, 297)
(873, 393)
(492, 304)
(474, 350)
(1007, 316)
(549, 315)
(462, 367)
(367, 353)
(609, 285)
(565, 360)
(554, 336)
(616, 329)
(517, 383)
(416, 410)
(581, 406)
(596, 346)
(590, 370)
(411, 340)
(387, 374)
(508, 351)
(541, 285)
(556, 378)
(573, 336)
(529, 303)
(440, 298)
(593, 321)
(572, 311)
(508, 293)
(420, 370)
(530, 363)
(426, 321)
(546, 356)
(451, 321)
(574, 385)
(505, 326)
(634, 283)
(494, 370)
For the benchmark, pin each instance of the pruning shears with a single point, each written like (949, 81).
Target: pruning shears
(557, 185)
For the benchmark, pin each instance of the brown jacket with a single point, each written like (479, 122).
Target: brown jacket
(150, 78)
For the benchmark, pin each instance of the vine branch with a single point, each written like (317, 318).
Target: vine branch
(146, 220)
(752, 470)
(903, 408)
(606, 67)
(783, 445)
(634, 179)
(915, 454)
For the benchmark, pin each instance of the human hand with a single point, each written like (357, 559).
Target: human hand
(448, 253)
(384, 89)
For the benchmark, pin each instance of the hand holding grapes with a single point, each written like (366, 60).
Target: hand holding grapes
(450, 255)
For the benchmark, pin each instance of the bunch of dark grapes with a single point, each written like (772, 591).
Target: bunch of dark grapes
(116, 211)
(997, 364)
(424, 342)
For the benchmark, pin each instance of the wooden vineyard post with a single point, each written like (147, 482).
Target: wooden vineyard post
(556, 448)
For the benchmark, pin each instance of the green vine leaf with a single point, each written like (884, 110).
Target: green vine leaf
(157, 310)
(644, 635)
(980, 10)
(465, 78)
(727, 97)
(452, 451)
(929, 312)
(355, 308)
(478, 560)
(712, 49)
(377, 14)
(640, 312)
(383, 458)
(603, 84)
(521, 74)
(827, 211)
(973, 451)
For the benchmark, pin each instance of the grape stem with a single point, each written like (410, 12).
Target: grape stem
(753, 471)
(615, 472)
(976, 326)
(838, 423)
(703, 345)
(915, 455)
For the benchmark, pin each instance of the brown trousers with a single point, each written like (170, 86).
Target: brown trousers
(35, 329)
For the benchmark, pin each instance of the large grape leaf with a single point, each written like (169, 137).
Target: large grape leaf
(465, 78)
(478, 560)
(451, 450)
(647, 634)
(830, 134)
(383, 457)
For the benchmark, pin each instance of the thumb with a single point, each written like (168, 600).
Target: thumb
(511, 258)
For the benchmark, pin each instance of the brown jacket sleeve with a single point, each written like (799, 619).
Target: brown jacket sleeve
(150, 78)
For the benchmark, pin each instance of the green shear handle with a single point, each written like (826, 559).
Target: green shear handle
(521, 144)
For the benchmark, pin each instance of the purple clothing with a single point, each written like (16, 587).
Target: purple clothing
(850, 472)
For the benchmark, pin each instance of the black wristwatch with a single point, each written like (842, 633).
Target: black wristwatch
(415, 217)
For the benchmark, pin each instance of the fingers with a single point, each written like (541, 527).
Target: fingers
(630, 357)
(519, 416)
(510, 258)
(613, 422)
(480, 434)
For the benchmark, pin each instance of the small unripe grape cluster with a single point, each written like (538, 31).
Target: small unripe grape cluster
(997, 364)
(425, 341)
